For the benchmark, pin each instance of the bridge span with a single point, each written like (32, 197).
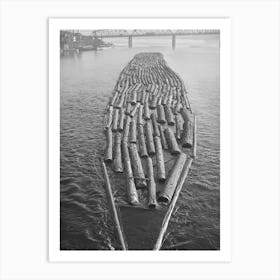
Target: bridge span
(114, 33)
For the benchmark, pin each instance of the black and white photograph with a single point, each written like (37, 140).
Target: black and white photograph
(139, 139)
(140, 117)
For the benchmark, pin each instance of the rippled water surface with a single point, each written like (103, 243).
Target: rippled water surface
(86, 84)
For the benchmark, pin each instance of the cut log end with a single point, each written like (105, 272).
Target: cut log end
(163, 199)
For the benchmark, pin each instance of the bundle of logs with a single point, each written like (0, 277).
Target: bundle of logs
(147, 116)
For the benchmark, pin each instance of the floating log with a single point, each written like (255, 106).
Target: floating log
(138, 87)
(120, 101)
(146, 111)
(172, 204)
(121, 119)
(169, 188)
(126, 128)
(111, 201)
(149, 138)
(170, 98)
(139, 95)
(140, 115)
(108, 157)
(155, 125)
(133, 99)
(187, 135)
(178, 127)
(178, 104)
(169, 115)
(172, 142)
(114, 98)
(132, 132)
(165, 98)
(161, 115)
(160, 159)
(130, 185)
(118, 166)
(159, 100)
(128, 108)
(137, 167)
(162, 137)
(142, 144)
(152, 200)
(185, 100)
(134, 110)
(115, 120)
(153, 103)
(109, 117)
(186, 114)
(143, 97)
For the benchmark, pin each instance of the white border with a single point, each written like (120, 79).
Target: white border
(224, 254)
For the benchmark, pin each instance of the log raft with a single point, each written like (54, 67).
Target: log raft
(148, 123)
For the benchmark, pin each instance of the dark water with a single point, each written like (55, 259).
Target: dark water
(86, 84)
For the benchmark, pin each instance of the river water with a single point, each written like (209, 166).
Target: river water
(87, 82)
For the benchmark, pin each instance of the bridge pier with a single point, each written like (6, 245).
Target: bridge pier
(173, 41)
(130, 41)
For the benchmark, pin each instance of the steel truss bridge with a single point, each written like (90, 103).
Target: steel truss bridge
(118, 33)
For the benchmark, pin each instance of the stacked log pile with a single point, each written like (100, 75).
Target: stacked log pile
(147, 119)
